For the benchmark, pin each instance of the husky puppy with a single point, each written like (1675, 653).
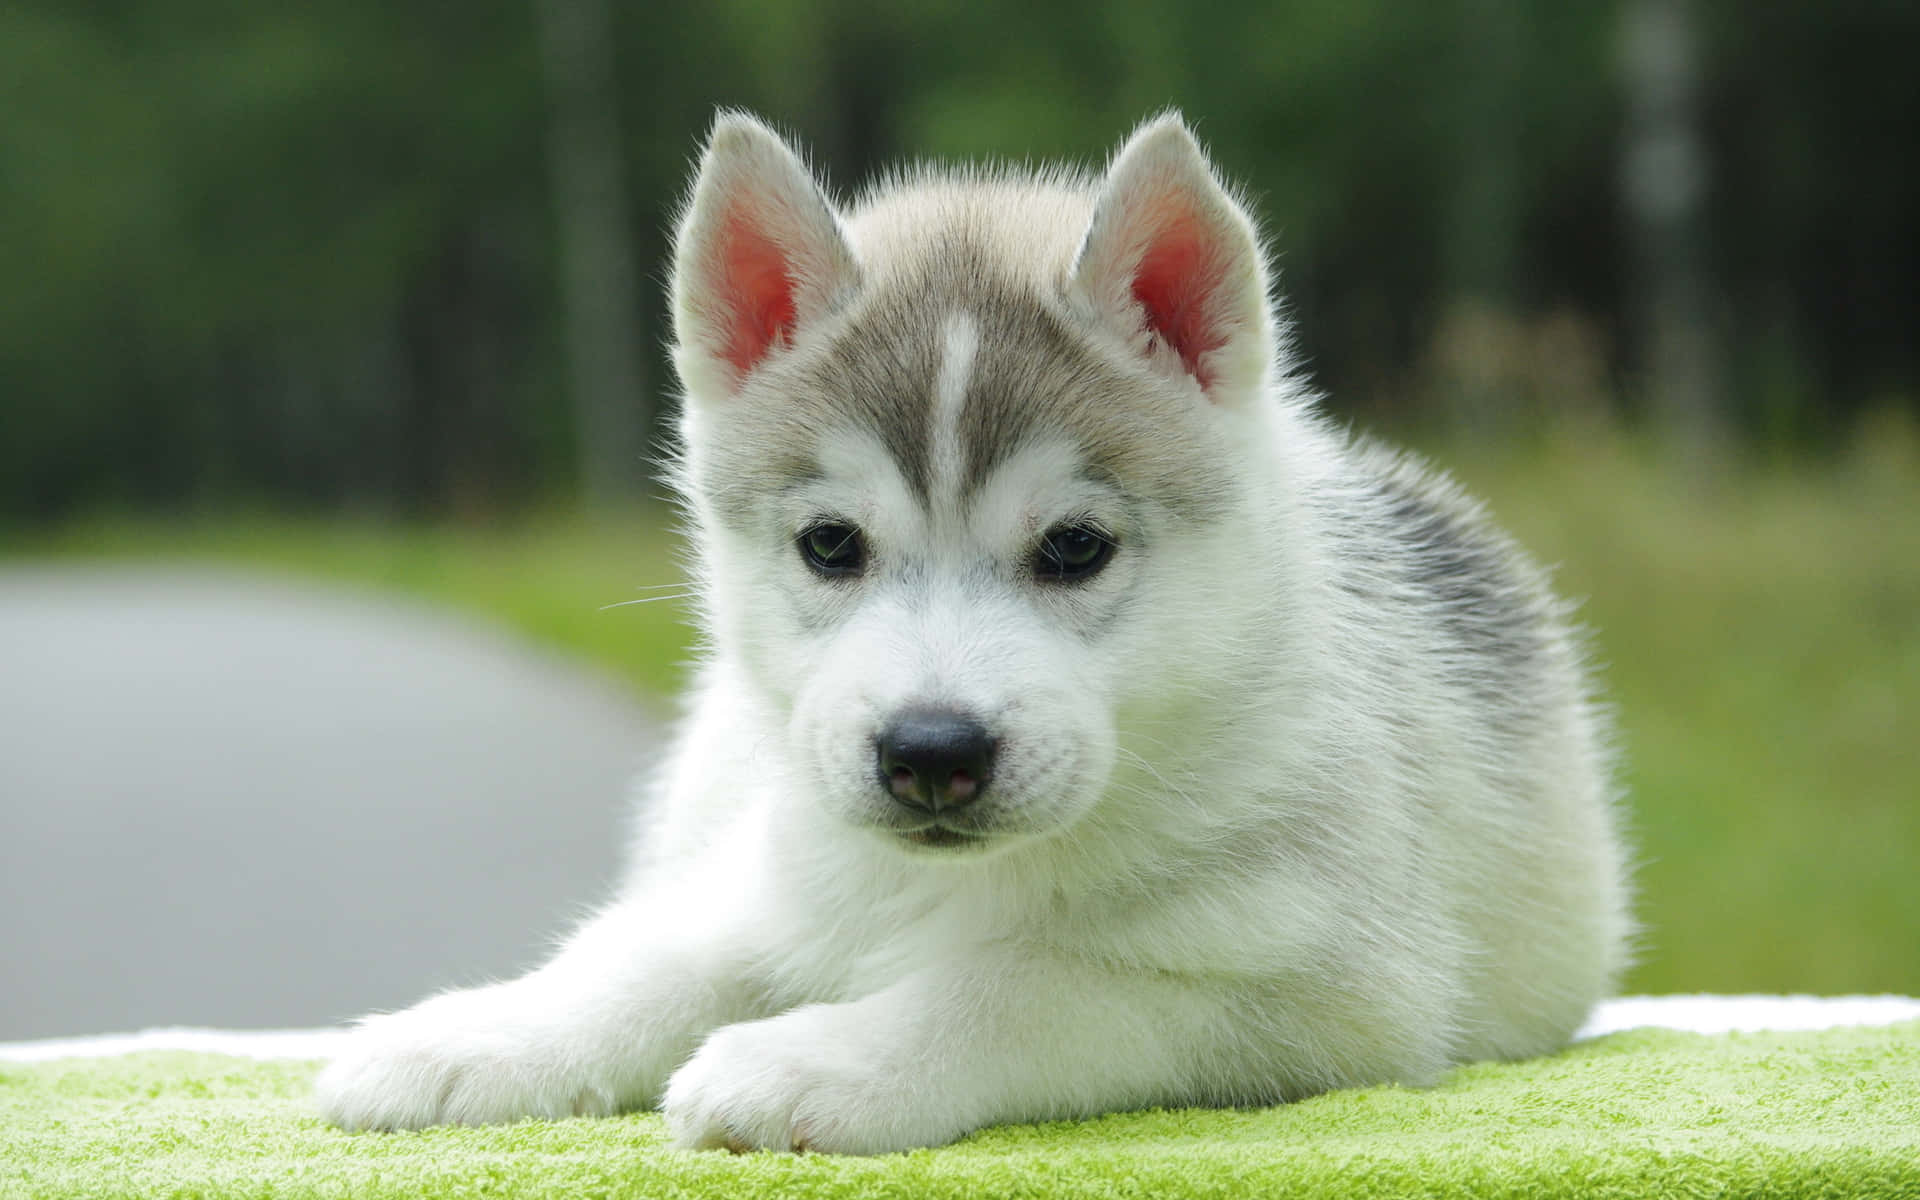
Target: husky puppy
(1085, 724)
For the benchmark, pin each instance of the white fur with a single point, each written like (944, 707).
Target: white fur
(960, 342)
(1288, 797)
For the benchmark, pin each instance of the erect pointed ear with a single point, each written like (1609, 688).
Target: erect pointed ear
(1174, 263)
(759, 254)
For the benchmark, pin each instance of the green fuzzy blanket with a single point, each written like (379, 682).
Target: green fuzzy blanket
(1643, 1113)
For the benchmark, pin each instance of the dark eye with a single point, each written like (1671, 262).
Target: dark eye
(833, 549)
(1072, 553)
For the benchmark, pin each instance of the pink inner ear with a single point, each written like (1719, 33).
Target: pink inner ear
(1177, 284)
(757, 287)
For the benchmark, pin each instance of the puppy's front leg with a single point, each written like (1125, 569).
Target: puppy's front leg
(999, 1037)
(594, 1031)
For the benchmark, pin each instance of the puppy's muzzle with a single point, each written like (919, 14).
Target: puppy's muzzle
(935, 760)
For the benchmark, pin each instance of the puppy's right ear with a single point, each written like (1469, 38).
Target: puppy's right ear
(759, 254)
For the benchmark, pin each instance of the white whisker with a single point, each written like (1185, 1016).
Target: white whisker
(648, 600)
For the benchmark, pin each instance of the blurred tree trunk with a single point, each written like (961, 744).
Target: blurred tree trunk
(605, 363)
(1663, 176)
(1483, 214)
(1480, 233)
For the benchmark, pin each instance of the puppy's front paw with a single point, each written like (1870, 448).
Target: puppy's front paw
(804, 1081)
(463, 1058)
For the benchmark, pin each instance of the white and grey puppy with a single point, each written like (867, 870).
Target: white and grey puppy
(1084, 725)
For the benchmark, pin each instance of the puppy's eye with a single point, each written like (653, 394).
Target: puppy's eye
(832, 548)
(1071, 553)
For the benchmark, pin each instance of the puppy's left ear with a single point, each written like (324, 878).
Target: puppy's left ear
(1175, 265)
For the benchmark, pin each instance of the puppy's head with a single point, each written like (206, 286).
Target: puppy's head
(966, 466)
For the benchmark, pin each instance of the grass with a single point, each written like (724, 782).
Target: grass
(1758, 626)
(1643, 1113)
(1759, 631)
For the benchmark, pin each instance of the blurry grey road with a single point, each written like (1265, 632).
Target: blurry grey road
(234, 801)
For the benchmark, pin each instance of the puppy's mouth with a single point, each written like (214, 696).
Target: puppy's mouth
(941, 837)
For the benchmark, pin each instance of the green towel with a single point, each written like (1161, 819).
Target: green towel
(1643, 1113)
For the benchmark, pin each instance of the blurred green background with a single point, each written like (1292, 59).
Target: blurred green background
(372, 292)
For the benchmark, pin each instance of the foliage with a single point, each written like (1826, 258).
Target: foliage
(304, 255)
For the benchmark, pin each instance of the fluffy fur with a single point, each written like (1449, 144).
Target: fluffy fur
(1301, 790)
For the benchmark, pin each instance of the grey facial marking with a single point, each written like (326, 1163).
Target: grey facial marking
(881, 376)
(877, 367)
(868, 372)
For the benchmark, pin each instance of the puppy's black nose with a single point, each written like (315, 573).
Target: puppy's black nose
(934, 759)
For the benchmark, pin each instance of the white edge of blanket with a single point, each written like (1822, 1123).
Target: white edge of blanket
(1693, 1014)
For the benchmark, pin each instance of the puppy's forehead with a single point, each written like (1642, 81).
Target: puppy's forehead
(953, 377)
